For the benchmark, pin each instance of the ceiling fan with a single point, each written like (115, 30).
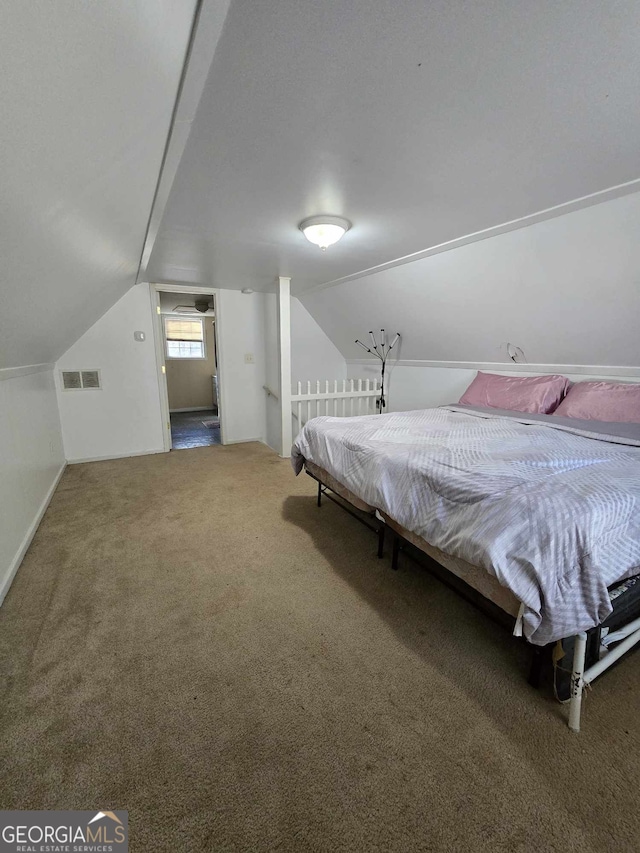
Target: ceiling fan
(202, 306)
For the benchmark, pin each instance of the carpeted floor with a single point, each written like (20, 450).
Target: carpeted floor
(191, 639)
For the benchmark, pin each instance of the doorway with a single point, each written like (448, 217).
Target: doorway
(187, 351)
(194, 429)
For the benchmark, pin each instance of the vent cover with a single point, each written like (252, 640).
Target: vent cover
(90, 378)
(71, 380)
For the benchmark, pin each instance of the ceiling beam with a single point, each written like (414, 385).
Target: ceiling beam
(206, 30)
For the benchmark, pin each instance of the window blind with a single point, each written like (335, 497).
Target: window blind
(183, 330)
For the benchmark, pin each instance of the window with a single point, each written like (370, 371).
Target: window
(184, 338)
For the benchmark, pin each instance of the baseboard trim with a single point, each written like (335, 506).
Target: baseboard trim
(244, 441)
(192, 409)
(115, 456)
(31, 532)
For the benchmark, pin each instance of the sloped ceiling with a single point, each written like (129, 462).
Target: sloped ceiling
(419, 121)
(88, 90)
(565, 290)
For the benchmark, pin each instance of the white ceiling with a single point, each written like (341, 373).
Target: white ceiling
(88, 89)
(419, 121)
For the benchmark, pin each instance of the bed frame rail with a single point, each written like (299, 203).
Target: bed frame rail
(369, 520)
(629, 636)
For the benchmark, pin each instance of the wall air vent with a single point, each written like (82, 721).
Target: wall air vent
(71, 380)
(91, 379)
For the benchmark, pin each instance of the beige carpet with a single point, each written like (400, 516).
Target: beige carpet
(191, 639)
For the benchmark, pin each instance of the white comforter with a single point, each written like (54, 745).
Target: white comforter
(553, 514)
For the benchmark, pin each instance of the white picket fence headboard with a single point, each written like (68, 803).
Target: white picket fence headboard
(340, 398)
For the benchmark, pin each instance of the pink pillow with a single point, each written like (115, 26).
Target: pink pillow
(602, 401)
(537, 394)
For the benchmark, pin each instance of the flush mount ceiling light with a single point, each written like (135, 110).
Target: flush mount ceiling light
(324, 231)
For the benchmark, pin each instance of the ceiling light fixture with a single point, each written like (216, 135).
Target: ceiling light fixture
(324, 231)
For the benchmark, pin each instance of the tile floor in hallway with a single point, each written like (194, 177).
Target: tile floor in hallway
(188, 429)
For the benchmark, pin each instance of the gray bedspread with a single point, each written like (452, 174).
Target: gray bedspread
(547, 505)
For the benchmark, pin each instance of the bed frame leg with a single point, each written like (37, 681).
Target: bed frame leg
(577, 681)
(380, 539)
(395, 552)
(319, 494)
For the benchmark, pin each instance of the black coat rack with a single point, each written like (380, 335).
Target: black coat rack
(381, 351)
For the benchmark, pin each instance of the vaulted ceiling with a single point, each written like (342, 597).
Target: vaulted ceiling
(419, 121)
(88, 90)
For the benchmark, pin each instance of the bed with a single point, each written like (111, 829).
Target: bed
(538, 513)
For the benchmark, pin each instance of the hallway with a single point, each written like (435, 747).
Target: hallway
(194, 429)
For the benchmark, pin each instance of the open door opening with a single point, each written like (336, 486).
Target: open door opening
(188, 359)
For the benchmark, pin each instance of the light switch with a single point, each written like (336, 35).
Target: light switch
(139, 336)
(249, 358)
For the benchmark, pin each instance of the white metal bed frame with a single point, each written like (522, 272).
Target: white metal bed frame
(629, 634)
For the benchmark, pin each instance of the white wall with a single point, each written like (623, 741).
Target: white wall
(273, 424)
(31, 460)
(418, 386)
(122, 419)
(566, 290)
(409, 388)
(241, 332)
(313, 355)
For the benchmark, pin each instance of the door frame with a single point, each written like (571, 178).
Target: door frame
(155, 289)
